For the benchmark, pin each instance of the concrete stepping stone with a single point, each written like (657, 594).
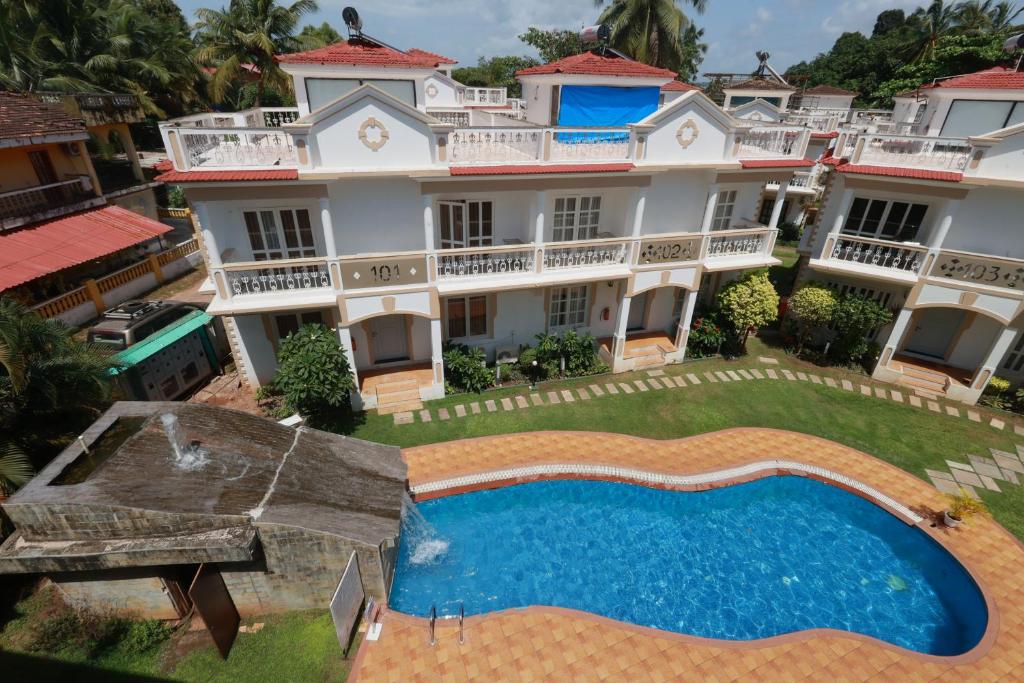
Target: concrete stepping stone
(680, 382)
(656, 383)
(865, 389)
(829, 382)
(973, 416)
(582, 393)
(997, 423)
(768, 361)
(733, 376)
(847, 384)
(745, 374)
(567, 395)
(1012, 477)
(443, 414)
(474, 407)
(802, 376)
(947, 485)
(934, 407)
(815, 379)
(536, 400)
(969, 478)
(521, 402)
(771, 374)
(755, 373)
(880, 393)
(506, 404)
(959, 466)
(722, 376)
(491, 406)
(986, 467)
(404, 418)
(655, 373)
(952, 411)
(789, 375)
(694, 379)
(424, 416)
(596, 390)
(553, 398)
(990, 483)
(711, 378)
(915, 400)
(626, 388)
(460, 410)
(1007, 461)
(639, 384)
(938, 474)
(896, 396)
(1018, 430)
(611, 389)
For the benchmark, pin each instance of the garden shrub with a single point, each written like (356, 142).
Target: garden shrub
(706, 336)
(854, 318)
(465, 368)
(313, 373)
(143, 636)
(747, 303)
(994, 394)
(812, 306)
(789, 232)
(578, 351)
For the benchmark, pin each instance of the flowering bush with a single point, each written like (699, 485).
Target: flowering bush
(706, 337)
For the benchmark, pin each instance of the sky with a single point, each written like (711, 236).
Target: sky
(791, 30)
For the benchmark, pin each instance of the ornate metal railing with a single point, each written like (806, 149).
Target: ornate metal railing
(608, 252)
(455, 117)
(39, 199)
(454, 264)
(915, 151)
(589, 144)
(728, 243)
(980, 269)
(277, 276)
(233, 147)
(469, 145)
(878, 253)
(771, 142)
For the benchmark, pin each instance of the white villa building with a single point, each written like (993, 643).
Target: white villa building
(366, 212)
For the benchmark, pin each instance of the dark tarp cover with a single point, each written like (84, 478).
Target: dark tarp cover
(605, 105)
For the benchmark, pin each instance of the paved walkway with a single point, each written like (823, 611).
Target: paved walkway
(548, 644)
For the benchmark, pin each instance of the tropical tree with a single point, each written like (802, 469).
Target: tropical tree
(248, 32)
(553, 45)
(749, 302)
(51, 386)
(1002, 16)
(312, 37)
(650, 31)
(812, 306)
(313, 374)
(496, 72)
(932, 23)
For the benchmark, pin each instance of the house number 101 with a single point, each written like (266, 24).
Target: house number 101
(386, 273)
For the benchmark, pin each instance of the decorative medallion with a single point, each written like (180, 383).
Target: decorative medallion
(377, 139)
(687, 133)
(431, 91)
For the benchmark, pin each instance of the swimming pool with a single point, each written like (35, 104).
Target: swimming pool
(748, 561)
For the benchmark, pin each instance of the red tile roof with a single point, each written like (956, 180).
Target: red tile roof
(828, 90)
(22, 116)
(592, 64)
(357, 53)
(996, 78)
(530, 169)
(816, 135)
(431, 57)
(758, 84)
(678, 86)
(775, 163)
(899, 172)
(44, 248)
(221, 176)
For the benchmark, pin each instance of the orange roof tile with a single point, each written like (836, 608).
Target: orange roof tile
(591, 63)
(357, 53)
(22, 116)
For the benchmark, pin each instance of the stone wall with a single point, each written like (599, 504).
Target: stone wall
(136, 593)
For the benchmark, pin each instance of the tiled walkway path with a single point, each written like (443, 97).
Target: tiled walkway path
(546, 644)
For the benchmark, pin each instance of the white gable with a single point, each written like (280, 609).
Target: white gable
(758, 110)
(690, 130)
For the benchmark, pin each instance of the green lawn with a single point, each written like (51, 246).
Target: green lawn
(911, 438)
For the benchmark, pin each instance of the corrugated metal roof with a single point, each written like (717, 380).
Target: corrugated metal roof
(159, 341)
(47, 247)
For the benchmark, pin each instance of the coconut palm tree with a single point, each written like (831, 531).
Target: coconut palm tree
(974, 16)
(933, 22)
(1002, 16)
(15, 468)
(650, 31)
(248, 32)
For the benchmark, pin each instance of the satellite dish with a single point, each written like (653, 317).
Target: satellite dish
(351, 19)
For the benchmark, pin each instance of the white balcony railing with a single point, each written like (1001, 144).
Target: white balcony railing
(454, 264)
(913, 151)
(484, 96)
(212, 148)
(475, 145)
(256, 277)
(824, 121)
(864, 251)
(588, 254)
(589, 144)
(744, 242)
(771, 142)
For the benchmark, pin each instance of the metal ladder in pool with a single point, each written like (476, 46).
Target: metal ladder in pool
(461, 616)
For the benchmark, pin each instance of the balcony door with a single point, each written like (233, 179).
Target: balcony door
(885, 220)
(286, 233)
(47, 175)
(576, 218)
(466, 224)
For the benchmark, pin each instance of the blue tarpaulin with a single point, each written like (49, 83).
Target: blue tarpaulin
(605, 105)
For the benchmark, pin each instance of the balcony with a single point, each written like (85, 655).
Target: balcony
(250, 139)
(907, 151)
(511, 145)
(41, 202)
(771, 142)
(881, 259)
(97, 109)
(492, 97)
(802, 182)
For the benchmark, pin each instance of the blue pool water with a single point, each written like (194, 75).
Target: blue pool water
(773, 556)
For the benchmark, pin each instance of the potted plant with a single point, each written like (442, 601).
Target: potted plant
(961, 506)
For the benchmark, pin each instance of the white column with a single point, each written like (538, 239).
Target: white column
(944, 224)
(436, 348)
(638, 211)
(428, 221)
(899, 328)
(844, 208)
(685, 318)
(540, 210)
(345, 340)
(780, 197)
(995, 355)
(328, 226)
(621, 322)
(209, 240)
(709, 208)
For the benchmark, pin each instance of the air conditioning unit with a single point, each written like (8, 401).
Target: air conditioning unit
(71, 149)
(506, 354)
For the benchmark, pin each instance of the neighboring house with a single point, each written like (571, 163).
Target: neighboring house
(57, 227)
(827, 98)
(402, 232)
(673, 90)
(930, 225)
(770, 90)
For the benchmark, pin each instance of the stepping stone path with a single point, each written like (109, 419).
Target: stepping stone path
(491, 406)
(612, 389)
(521, 402)
(626, 388)
(506, 403)
(596, 390)
(443, 414)
(536, 400)
(768, 361)
(553, 398)
(475, 407)
(655, 373)
(583, 394)
(711, 378)
(693, 378)
(424, 415)
(460, 410)
(979, 472)
(567, 395)
(771, 373)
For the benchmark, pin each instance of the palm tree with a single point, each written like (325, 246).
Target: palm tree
(933, 22)
(248, 32)
(974, 16)
(1002, 16)
(15, 468)
(650, 31)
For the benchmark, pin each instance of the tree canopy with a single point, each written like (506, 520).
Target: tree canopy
(656, 32)
(495, 72)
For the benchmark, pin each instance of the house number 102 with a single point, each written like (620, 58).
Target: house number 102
(386, 273)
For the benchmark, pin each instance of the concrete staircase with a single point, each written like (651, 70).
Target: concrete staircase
(921, 378)
(397, 397)
(647, 357)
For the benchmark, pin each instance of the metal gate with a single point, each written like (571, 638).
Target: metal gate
(347, 603)
(214, 604)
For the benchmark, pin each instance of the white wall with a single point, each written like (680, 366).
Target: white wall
(1003, 160)
(511, 213)
(227, 222)
(709, 145)
(336, 144)
(376, 214)
(447, 94)
(939, 102)
(827, 102)
(675, 201)
(988, 221)
(257, 351)
(974, 343)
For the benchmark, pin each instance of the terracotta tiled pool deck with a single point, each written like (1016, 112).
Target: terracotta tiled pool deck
(551, 644)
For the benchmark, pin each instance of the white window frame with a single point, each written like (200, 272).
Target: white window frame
(466, 302)
(577, 223)
(877, 234)
(274, 237)
(568, 306)
(725, 205)
(470, 209)
(1015, 358)
(298, 316)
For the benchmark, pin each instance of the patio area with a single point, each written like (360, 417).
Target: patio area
(541, 643)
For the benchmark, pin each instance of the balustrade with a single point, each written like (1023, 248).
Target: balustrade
(914, 151)
(589, 144)
(44, 198)
(770, 142)
(231, 147)
(470, 145)
(561, 255)
(879, 253)
(243, 279)
(739, 243)
(464, 263)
